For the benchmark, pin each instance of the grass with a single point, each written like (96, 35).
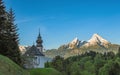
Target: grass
(44, 71)
(8, 67)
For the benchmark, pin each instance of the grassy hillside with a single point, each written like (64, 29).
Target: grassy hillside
(8, 67)
(44, 71)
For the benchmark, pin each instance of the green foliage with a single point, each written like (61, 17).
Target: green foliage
(66, 53)
(89, 63)
(13, 39)
(57, 63)
(110, 68)
(47, 64)
(8, 35)
(44, 71)
(8, 67)
(118, 54)
(2, 27)
(98, 62)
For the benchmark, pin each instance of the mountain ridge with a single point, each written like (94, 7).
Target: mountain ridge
(95, 40)
(96, 43)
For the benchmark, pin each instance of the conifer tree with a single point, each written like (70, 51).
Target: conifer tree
(118, 54)
(8, 35)
(13, 38)
(2, 28)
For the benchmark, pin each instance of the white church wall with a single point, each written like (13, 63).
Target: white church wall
(43, 60)
(38, 62)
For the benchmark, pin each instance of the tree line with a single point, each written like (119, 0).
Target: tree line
(90, 63)
(9, 38)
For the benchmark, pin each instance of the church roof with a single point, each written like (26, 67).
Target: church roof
(33, 51)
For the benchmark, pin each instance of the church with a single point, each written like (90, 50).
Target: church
(34, 56)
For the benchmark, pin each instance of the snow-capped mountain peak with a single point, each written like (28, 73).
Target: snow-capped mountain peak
(22, 49)
(74, 41)
(97, 40)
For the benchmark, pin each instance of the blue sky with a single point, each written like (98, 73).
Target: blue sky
(60, 21)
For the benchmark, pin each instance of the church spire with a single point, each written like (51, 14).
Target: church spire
(39, 42)
(39, 36)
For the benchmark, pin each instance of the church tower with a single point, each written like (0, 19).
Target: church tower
(39, 42)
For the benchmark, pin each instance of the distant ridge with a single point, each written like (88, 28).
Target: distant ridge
(76, 47)
(95, 40)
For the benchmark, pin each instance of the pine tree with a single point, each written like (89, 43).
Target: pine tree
(2, 28)
(13, 39)
(118, 54)
(8, 35)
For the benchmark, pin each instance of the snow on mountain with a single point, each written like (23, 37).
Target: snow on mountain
(82, 43)
(97, 40)
(74, 43)
(22, 49)
(76, 40)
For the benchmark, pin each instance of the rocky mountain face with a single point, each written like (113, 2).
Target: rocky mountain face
(95, 40)
(23, 49)
(74, 43)
(95, 43)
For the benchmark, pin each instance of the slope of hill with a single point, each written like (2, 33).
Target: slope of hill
(44, 71)
(8, 67)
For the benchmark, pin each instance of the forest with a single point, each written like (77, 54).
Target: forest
(90, 63)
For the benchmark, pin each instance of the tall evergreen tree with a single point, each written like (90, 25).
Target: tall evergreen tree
(13, 38)
(118, 54)
(2, 28)
(8, 35)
